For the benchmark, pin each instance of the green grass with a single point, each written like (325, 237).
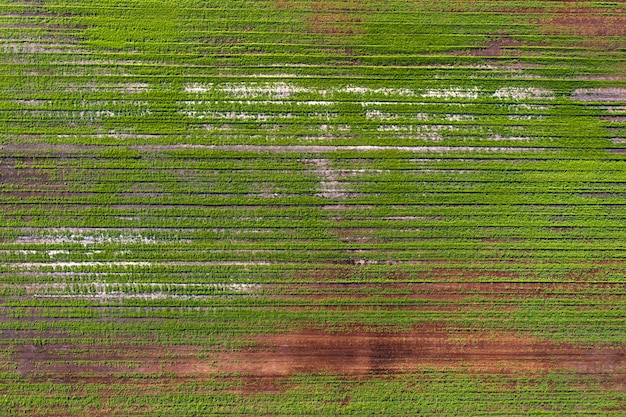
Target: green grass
(185, 182)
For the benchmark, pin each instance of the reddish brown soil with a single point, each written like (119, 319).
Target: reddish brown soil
(495, 48)
(367, 353)
(330, 17)
(600, 27)
(269, 360)
(586, 22)
(22, 173)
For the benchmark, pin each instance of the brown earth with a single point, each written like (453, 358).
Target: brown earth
(372, 353)
(329, 17)
(495, 48)
(598, 27)
(357, 351)
(266, 364)
(586, 21)
(20, 172)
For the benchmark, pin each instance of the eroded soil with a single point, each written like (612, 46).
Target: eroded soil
(354, 352)
(366, 353)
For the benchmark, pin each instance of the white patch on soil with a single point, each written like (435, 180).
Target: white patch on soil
(134, 290)
(525, 117)
(458, 117)
(379, 115)
(55, 265)
(358, 148)
(497, 137)
(282, 90)
(523, 93)
(615, 109)
(330, 187)
(526, 106)
(233, 115)
(354, 89)
(275, 90)
(37, 48)
(87, 239)
(393, 128)
(315, 103)
(53, 253)
(449, 93)
(198, 88)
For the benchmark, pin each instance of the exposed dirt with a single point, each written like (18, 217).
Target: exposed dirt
(19, 172)
(330, 17)
(600, 94)
(266, 363)
(334, 23)
(367, 353)
(615, 119)
(330, 148)
(495, 48)
(330, 187)
(585, 21)
(40, 150)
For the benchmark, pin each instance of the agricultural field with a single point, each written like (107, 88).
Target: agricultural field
(321, 207)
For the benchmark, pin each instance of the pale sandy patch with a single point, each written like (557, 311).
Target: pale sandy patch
(380, 115)
(331, 148)
(523, 93)
(86, 239)
(525, 117)
(609, 94)
(360, 90)
(69, 264)
(234, 115)
(330, 187)
(458, 117)
(615, 109)
(449, 93)
(134, 290)
(498, 137)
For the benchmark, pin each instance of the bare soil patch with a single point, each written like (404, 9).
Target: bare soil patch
(495, 48)
(18, 172)
(585, 21)
(610, 94)
(269, 360)
(330, 187)
(330, 17)
(330, 148)
(367, 353)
